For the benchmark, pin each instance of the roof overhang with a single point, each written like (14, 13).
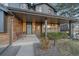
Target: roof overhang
(15, 11)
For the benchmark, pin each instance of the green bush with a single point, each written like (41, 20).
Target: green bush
(55, 35)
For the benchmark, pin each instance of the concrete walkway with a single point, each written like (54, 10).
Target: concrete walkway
(22, 47)
(29, 46)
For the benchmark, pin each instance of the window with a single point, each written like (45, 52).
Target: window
(49, 11)
(23, 6)
(39, 9)
(6, 4)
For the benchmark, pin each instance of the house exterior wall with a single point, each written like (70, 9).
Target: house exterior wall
(75, 30)
(1, 21)
(45, 9)
(14, 30)
(39, 8)
(17, 5)
(5, 35)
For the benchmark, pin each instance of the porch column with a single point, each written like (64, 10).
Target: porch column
(70, 29)
(46, 28)
(10, 28)
(41, 27)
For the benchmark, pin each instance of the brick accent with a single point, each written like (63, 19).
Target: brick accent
(4, 38)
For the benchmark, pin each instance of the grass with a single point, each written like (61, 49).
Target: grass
(68, 47)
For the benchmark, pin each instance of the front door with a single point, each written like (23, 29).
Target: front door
(29, 27)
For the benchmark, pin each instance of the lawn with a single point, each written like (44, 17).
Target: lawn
(68, 47)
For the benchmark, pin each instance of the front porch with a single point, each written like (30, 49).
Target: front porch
(25, 22)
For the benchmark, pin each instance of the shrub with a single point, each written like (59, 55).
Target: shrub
(55, 35)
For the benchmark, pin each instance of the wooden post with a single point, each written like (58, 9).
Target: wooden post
(45, 28)
(41, 27)
(10, 28)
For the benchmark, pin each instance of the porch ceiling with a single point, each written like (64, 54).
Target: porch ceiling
(36, 18)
